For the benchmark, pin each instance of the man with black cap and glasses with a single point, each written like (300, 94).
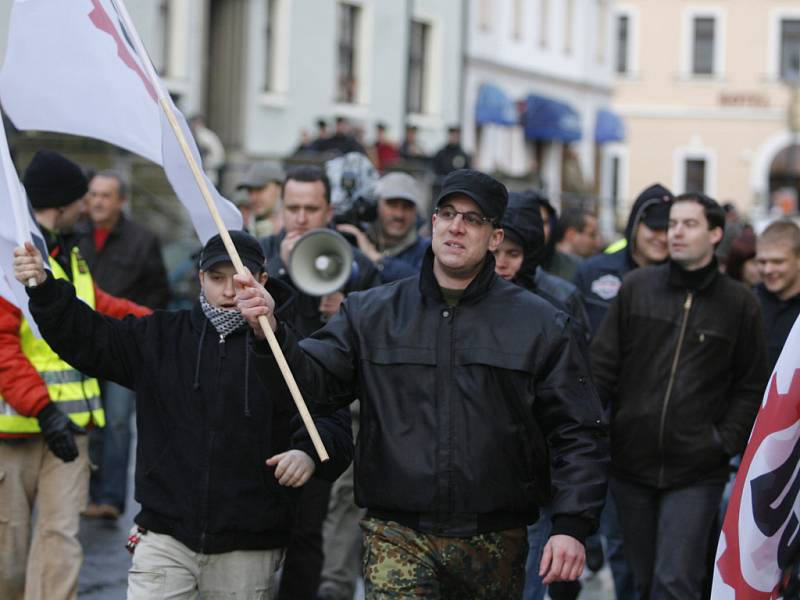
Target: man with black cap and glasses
(477, 407)
(216, 447)
(46, 407)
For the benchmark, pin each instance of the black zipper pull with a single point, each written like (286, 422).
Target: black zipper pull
(222, 345)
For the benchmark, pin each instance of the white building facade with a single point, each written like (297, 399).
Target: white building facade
(263, 70)
(549, 64)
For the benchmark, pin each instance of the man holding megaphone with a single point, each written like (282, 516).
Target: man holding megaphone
(322, 268)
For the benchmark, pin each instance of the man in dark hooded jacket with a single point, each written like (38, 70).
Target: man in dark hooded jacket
(553, 261)
(600, 277)
(518, 259)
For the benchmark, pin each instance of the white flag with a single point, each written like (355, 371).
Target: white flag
(73, 67)
(760, 533)
(17, 226)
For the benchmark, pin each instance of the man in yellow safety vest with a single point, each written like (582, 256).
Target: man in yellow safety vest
(46, 407)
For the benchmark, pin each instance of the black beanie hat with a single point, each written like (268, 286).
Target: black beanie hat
(53, 181)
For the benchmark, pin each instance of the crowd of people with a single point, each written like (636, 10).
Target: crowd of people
(526, 399)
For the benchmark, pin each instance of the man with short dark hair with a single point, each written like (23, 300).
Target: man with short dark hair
(307, 206)
(778, 259)
(578, 234)
(477, 408)
(125, 260)
(681, 359)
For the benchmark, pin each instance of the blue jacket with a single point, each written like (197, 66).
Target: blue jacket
(404, 264)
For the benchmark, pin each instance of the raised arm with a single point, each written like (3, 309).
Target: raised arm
(92, 343)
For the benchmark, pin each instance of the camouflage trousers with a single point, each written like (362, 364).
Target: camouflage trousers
(401, 563)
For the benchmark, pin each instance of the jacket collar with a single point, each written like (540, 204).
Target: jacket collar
(697, 280)
(482, 283)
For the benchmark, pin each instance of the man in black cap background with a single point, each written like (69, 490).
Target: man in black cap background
(215, 445)
(451, 156)
(262, 182)
(681, 360)
(46, 407)
(600, 277)
(392, 242)
(454, 455)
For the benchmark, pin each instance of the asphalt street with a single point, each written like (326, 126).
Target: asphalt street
(106, 561)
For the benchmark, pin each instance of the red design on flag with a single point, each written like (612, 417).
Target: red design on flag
(772, 509)
(103, 22)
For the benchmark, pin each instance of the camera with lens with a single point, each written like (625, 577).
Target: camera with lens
(353, 179)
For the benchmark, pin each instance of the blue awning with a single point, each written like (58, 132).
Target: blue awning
(551, 120)
(609, 127)
(494, 106)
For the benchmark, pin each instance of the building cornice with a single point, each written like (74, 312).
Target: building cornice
(719, 113)
(578, 84)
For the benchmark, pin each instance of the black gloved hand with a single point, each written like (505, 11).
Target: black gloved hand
(59, 432)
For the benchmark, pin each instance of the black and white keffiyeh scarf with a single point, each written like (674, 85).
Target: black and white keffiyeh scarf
(225, 321)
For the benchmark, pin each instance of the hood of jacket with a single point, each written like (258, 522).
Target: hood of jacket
(655, 194)
(523, 224)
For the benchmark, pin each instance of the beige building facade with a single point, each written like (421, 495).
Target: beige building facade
(705, 90)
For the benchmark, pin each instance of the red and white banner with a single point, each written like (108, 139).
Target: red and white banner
(78, 67)
(760, 535)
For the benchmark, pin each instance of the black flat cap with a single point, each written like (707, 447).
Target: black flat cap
(490, 195)
(250, 251)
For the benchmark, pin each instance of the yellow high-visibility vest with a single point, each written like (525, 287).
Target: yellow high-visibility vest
(616, 246)
(77, 395)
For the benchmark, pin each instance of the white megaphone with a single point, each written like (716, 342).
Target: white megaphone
(320, 262)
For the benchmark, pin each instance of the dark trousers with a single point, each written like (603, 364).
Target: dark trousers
(666, 537)
(110, 447)
(303, 564)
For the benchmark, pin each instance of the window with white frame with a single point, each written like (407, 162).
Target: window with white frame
(569, 25)
(165, 20)
(623, 49)
(602, 29)
(485, 15)
(271, 45)
(517, 19)
(694, 178)
(347, 52)
(418, 51)
(544, 22)
(790, 49)
(703, 47)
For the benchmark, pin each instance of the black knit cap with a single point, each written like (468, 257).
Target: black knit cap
(52, 180)
(490, 195)
(248, 248)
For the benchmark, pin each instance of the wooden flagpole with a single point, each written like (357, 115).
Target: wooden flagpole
(202, 184)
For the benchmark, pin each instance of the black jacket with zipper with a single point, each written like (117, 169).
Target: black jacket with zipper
(471, 416)
(684, 369)
(206, 423)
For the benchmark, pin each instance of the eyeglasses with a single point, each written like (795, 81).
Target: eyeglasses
(471, 218)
